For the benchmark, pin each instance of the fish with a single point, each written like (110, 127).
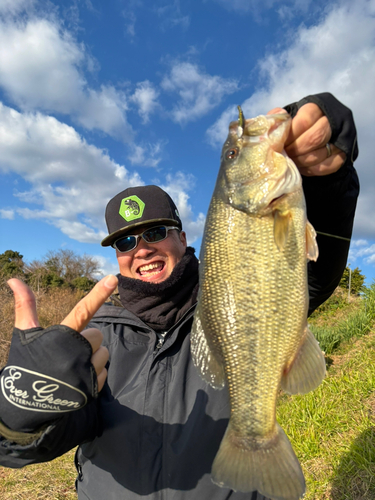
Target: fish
(250, 331)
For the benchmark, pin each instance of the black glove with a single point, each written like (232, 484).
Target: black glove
(344, 132)
(49, 373)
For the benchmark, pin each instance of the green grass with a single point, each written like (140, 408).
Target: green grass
(357, 321)
(332, 428)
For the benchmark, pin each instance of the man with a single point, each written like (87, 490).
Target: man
(155, 428)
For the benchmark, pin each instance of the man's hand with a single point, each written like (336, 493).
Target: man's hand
(26, 317)
(55, 370)
(306, 143)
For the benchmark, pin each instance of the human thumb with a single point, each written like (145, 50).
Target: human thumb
(25, 307)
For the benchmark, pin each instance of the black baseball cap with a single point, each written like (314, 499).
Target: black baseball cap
(137, 206)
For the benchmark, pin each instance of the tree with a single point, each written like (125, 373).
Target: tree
(64, 268)
(356, 282)
(11, 264)
(83, 283)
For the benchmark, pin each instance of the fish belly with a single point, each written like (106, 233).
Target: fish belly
(252, 315)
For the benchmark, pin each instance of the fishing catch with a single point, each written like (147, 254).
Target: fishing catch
(250, 328)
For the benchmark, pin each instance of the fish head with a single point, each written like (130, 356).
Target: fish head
(254, 168)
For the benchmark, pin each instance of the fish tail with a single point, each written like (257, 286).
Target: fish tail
(270, 467)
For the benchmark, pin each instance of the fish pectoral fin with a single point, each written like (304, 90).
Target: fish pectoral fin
(210, 368)
(308, 368)
(269, 466)
(312, 250)
(281, 223)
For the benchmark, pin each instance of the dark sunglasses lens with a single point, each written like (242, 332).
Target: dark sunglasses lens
(155, 234)
(125, 244)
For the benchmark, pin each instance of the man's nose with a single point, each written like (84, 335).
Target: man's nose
(144, 248)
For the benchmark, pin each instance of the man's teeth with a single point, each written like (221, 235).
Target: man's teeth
(150, 267)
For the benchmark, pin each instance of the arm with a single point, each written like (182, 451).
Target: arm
(49, 388)
(330, 184)
(49, 441)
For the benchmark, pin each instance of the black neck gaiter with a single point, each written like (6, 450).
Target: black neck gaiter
(161, 305)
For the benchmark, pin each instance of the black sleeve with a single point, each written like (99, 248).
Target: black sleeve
(48, 395)
(19, 449)
(331, 201)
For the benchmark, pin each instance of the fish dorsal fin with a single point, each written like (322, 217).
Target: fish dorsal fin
(312, 250)
(281, 222)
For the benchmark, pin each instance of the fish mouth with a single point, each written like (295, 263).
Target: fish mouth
(277, 199)
(274, 127)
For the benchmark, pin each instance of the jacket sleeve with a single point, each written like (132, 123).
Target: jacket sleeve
(331, 201)
(18, 449)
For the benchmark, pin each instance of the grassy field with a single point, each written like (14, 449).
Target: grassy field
(332, 429)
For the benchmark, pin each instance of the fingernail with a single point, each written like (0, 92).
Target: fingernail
(110, 281)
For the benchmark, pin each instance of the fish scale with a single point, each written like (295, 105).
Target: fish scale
(250, 327)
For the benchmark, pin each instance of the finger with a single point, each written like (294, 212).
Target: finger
(275, 111)
(101, 379)
(94, 336)
(100, 359)
(307, 116)
(315, 157)
(315, 137)
(328, 166)
(24, 303)
(81, 315)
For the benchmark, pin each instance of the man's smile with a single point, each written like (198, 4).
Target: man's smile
(149, 270)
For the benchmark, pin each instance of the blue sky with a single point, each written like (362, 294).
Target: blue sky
(96, 96)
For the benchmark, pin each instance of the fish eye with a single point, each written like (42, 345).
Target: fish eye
(231, 153)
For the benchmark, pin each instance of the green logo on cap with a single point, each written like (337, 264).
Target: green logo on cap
(131, 208)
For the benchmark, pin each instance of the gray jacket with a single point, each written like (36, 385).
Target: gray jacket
(162, 425)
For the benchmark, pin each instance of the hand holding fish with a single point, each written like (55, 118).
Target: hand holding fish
(309, 134)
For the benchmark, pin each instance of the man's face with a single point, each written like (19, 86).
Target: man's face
(153, 262)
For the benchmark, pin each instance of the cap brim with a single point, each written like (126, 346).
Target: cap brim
(111, 238)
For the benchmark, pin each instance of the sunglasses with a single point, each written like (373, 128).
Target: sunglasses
(151, 235)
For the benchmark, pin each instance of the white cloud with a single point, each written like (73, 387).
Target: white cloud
(14, 6)
(6, 213)
(130, 19)
(362, 251)
(171, 16)
(336, 55)
(147, 154)
(42, 68)
(177, 187)
(255, 7)
(146, 98)
(217, 133)
(106, 266)
(70, 179)
(198, 92)
(358, 243)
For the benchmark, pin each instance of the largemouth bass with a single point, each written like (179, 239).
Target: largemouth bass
(250, 328)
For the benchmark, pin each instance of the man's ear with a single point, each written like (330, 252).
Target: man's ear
(183, 238)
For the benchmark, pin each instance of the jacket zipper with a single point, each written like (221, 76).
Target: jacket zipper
(163, 335)
(161, 340)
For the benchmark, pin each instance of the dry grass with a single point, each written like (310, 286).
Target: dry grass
(49, 481)
(52, 308)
